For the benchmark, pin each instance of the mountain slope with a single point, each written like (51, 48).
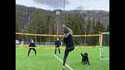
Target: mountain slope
(27, 17)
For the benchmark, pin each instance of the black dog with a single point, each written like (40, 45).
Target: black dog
(85, 59)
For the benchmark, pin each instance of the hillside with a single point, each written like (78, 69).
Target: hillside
(36, 20)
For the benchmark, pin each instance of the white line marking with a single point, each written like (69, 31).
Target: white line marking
(104, 59)
(62, 62)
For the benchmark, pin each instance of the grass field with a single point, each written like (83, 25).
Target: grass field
(45, 59)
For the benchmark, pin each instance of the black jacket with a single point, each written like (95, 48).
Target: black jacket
(69, 41)
(32, 45)
(57, 43)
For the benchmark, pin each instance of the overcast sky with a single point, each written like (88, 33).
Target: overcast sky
(69, 4)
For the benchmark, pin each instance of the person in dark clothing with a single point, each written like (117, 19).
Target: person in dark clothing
(57, 45)
(85, 59)
(32, 47)
(68, 41)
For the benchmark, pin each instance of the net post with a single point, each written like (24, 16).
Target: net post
(100, 44)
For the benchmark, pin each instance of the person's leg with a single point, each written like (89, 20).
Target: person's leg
(29, 51)
(65, 56)
(59, 49)
(55, 49)
(34, 50)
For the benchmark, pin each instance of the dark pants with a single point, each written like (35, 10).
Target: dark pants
(56, 49)
(66, 53)
(30, 50)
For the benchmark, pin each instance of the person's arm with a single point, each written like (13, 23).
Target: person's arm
(60, 43)
(65, 36)
(29, 45)
(55, 43)
(34, 44)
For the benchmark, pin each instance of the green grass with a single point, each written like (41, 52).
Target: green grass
(105, 51)
(45, 59)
